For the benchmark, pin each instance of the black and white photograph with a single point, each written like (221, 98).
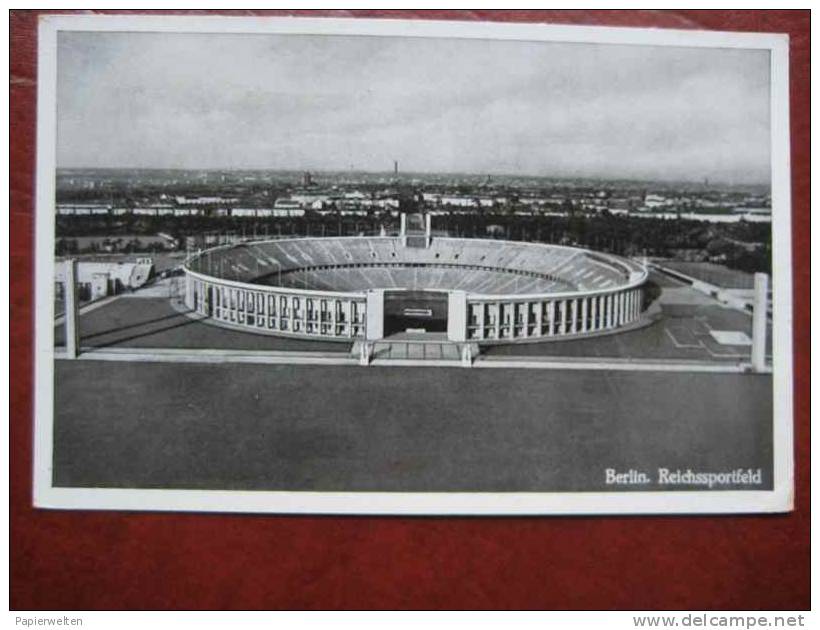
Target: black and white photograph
(388, 267)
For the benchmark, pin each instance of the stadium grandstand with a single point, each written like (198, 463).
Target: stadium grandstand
(485, 291)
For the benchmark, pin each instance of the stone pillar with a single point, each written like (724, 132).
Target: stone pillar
(573, 315)
(189, 292)
(632, 306)
(348, 313)
(615, 308)
(507, 319)
(610, 310)
(72, 310)
(594, 312)
(240, 306)
(550, 317)
(562, 317)
(759, 319)
(292, 308)
(403, 230)
(457, 316)
(374, 312)
(584, 314)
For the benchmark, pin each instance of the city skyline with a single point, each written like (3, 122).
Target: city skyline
(319, 103)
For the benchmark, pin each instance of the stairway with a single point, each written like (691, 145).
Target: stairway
(407, 352)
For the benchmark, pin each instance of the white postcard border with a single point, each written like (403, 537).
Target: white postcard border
(779, 499)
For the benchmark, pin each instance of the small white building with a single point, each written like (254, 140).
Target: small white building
(68, 209)
(101, 279)
(288, 208)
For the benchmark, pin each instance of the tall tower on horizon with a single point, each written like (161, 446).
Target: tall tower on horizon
(395, 167)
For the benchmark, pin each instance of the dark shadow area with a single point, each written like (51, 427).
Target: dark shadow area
(415, 309)
(651, 292)
(148, 333)
(147, 322)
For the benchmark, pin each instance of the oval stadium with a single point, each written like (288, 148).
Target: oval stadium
(374, 287)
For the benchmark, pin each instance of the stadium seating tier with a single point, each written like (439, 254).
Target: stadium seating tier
(361, 263)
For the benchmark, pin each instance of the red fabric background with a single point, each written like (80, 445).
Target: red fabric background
(113, 560)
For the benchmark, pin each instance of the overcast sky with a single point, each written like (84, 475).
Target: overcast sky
(472, 106)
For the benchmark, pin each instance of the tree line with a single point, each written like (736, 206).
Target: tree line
(741, 245)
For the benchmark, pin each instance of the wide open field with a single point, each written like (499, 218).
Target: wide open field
(166, 425)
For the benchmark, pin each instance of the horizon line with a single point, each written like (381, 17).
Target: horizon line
(634, 179)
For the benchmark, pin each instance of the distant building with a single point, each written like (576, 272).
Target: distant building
(655, 201)
(288, 208)
(187, 212)
(750, 210)
(202, 201)
(308, 198)
(155, 210)
(97, 280)
(80, 209)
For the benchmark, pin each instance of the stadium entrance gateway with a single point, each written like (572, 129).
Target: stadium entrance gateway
(415, 311)
(390, 312)
(403, 324)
